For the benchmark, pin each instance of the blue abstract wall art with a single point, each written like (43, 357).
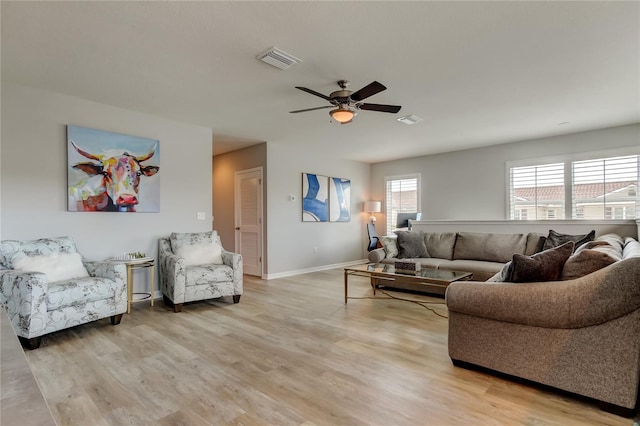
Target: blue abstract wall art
(315, 198)
(339, 200)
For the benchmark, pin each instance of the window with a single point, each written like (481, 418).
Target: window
(537, 189)
(605, 188)
(594, 188)
(401, 196)
(520, 214)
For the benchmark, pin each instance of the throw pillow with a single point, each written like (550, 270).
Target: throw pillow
(411, 245)
(179, 239)
(544, 266)
(585, 262)
(197, 248)
(56, 266)
(555, 239)
(201, 254)
(502, 275)
(390, 246)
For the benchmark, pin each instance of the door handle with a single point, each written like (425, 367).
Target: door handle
(237, 228)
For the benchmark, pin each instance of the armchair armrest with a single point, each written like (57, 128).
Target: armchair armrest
(172, 272)
(24, 296)
(115, 271)
(601, 296)
(235, 261)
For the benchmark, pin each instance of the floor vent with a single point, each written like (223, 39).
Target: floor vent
(278, 58)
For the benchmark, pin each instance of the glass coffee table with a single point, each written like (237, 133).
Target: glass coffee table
(426, 279)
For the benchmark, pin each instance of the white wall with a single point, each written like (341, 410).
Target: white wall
(291, 242)
(34, 174)
(471, 184)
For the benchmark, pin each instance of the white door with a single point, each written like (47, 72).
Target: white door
(248, 219)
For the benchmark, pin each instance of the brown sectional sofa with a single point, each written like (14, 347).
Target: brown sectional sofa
(580, 335)
(483, 254)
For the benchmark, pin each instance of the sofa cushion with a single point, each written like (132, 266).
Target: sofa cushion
(489, 247)
(555, 239)
(535, 242)
(544, 266)
(481, 269)
(56, 266)
(411, 244)
(390, 245)
(440, 244)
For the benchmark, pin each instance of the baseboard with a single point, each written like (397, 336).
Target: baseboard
(314, 269)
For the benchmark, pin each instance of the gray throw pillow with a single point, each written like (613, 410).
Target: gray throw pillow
(390, 246)
(544, 266)
(555, 239)
(411, 245)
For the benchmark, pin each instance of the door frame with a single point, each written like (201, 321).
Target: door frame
(236, 209)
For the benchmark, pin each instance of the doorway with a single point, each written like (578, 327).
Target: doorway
(248, 219)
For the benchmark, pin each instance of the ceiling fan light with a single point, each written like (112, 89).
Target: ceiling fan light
(341, 115)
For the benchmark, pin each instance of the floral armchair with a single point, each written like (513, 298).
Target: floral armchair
(195, 266)
(46, 286)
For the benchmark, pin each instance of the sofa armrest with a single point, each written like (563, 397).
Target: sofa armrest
(24, 296)
(235, 261)
(375, 256)
(601, 296)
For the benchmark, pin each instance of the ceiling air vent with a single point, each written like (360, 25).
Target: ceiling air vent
(410, 119)
(278, 58)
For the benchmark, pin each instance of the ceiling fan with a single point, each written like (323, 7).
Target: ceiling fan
(348, 103)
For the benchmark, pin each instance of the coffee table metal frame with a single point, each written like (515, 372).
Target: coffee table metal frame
(424, 278)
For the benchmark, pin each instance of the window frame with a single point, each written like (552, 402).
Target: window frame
(388, 214)
(568, 160)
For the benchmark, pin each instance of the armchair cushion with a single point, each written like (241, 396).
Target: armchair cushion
(56, 266)
(78, 291)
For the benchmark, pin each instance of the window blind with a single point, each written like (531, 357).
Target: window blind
(401, 196)
(606, 188)
(537, 192)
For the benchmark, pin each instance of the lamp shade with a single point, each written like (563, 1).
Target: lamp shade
(373, 206)
(342, 115)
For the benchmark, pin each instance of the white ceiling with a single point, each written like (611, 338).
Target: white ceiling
(478, 73)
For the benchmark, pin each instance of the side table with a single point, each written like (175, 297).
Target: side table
(147, 262)
(132, 265)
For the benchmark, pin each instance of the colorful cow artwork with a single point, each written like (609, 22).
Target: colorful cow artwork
(112, 181)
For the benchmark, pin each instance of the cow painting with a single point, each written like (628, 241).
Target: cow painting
(111, 181)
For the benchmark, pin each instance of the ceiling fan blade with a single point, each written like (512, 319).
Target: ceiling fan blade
(311, 109)
(367, 91)
(313, 92)
(381, 108)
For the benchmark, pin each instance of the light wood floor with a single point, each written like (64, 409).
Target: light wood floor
(290, 353)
